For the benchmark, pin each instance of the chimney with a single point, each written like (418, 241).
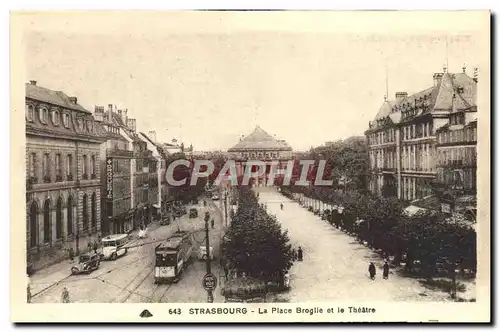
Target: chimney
(152, 135)
(99, 113)
(437, 78)
(110, 112)
(131, 124)
(401, 95)
(125, 118)
(464, 68)
(475, 75)
(33, 82)
(73, 100)
(120, 115)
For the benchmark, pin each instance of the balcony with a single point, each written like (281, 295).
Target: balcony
(85, 176)
(69, 177)
(59, 178)
(93, 176)
(46, 179)
(119, 153)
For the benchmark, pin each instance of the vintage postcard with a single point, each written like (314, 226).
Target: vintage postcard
(218, 166)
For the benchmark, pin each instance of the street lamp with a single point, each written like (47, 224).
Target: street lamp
(209, 270)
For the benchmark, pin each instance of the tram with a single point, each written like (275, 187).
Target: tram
(172, 256)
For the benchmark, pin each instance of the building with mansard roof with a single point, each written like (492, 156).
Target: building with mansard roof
(408, 153)
(62, 175)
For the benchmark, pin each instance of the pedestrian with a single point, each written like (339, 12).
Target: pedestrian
(212, 222)
(299, 254)
(372, 270)
(281, 205)
(385, 270)
(89, 244)
(28, 291)
(95, 247)
(294, 254)
(226, 271)
(286, 281)
(71, 254)
(65, 295)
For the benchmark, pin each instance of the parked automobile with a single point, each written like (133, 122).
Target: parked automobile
(86, 264)
(193, 213)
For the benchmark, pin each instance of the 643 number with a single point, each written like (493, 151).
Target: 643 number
(174, 311)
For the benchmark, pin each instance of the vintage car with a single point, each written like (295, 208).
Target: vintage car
(86, 263)
(193, 213)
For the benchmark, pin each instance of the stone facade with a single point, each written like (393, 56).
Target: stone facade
(402, 137)
(62, 175)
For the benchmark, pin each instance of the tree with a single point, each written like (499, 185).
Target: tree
(256, 243)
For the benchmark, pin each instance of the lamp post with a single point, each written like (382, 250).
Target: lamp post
(209, 270)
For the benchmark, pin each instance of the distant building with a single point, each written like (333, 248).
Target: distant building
(63, 175)
(259, 145)
(406, 157)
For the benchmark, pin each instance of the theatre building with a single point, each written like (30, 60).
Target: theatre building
(62, 175)
(261, 146)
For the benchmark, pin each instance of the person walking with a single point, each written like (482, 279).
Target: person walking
(372, 270)
(71, 254)
(65, 296)
(294, 254)
(385, 270)
(212, 222)
(95, 247)
(300, 254)
(281, 205)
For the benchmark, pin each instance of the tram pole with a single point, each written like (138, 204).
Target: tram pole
(209, 269)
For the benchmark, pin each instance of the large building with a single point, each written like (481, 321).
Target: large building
(403, 146)
(260, 145)
(116, 159)
(62, 175)
(131, 184)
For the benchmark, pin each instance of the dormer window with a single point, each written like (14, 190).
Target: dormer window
(55, 117)
(30, 113)
(43, 115)
(66, 120)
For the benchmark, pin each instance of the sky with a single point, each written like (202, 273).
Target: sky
(206, 78)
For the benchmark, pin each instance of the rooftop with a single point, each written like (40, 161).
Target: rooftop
(260, 140)
(56, 98)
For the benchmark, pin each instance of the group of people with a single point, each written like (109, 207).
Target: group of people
(298, 254)
(373, 271)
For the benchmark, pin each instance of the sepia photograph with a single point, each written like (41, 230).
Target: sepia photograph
(250, 166)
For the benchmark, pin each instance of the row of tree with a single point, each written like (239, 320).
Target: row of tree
(428, 242)
(255, 243)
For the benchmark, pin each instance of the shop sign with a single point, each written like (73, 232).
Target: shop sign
(109, 178)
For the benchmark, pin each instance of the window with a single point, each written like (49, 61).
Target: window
(55, 117)
(66, 120)
(46, 167)
(93, 204)
(69, 167)
(47, 232)
(138, 165)
(69, 213)
(85, 171)
(474, 134)
(116, 168)
(58, 167)
(32, 165)
(30, 111)
(43, 115)
(85, 213)
(33, 225)
(93, 166)
(59, 218)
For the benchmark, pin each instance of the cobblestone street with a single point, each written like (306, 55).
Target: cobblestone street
(335, 266)
(129, 279)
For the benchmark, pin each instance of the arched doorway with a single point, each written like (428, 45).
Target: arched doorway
(33, 225)
(59, 218)
(47, 238)
(94, 211)
(69, 213)
(85, 205)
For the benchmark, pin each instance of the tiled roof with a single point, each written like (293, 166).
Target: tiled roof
(439, 97)
(56, 98)
(260, 140)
